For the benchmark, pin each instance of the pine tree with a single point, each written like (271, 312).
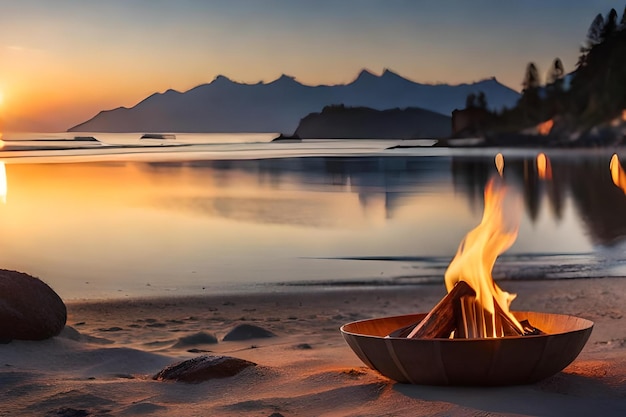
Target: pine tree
(470, 101)
(610, 25)
(555, 98)
(530, 102)
(597, 88)
(531, 79)
(556, 72)
(481, 101)
(594, 35)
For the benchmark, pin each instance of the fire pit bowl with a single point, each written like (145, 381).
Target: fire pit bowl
(494, 361)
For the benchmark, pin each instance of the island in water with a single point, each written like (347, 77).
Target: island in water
(341, 122)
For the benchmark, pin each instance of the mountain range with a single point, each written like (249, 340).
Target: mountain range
(227, 106)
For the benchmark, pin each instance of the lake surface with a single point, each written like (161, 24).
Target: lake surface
(212, 214)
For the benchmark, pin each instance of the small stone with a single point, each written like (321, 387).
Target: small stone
(200, 338)
(110, 329)
(196, 350)
(247, 332)
(203, 368)
(68, 412)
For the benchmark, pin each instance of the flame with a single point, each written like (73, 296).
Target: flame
(617, 173)
(624, 115)
(545, 127)
(500, 163)
(477, 255)
(3, 183)
(544, 168)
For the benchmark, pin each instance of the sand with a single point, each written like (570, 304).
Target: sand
(103, 363)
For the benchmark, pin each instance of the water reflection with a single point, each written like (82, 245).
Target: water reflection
(600, 203)
(198, 222)
(386, 185)
(588, 181)
(544, 168)
(3, 183)
(397, 181)
(617, 173)
(500, 164)
(296, 190)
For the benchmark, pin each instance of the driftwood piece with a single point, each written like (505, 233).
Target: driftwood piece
(440, 321)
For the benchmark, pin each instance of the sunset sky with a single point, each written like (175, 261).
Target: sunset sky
(63, 61)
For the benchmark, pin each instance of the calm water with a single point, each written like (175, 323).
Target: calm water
(215, 216)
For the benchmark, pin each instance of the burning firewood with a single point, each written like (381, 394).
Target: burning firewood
(440, 322)
(473, 321)
(457, 315)
(529, 329)
(475, 307)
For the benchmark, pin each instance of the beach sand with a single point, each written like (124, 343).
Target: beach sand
(103, 363)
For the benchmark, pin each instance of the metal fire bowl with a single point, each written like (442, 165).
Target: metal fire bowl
(494, 361)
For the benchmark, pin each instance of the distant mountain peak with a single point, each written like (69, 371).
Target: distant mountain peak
(487, 80)
(391, 75)
(221, 79)
(388, 73)
(492, 82)
(284, 78)
(366, 71)
(365, 74)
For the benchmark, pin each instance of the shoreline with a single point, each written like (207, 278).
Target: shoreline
(104, 361)
(294, 288)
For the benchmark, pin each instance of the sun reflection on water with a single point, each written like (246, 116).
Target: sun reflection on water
(3, 183)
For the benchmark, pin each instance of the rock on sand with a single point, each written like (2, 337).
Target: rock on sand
(29, 308)
(247, 332)
(203, 368)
